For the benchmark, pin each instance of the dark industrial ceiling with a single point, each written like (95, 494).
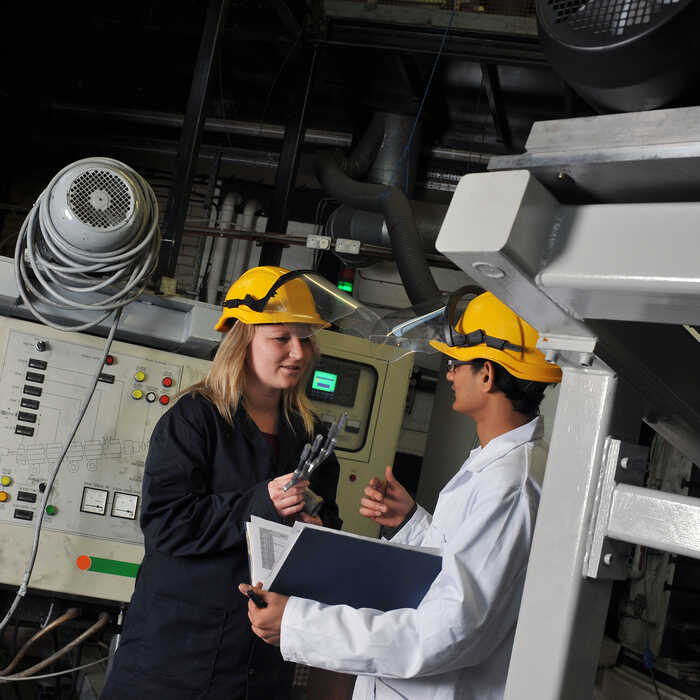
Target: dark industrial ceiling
(142, 55)
(114, 79)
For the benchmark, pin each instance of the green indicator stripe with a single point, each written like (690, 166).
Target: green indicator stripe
(112, 566)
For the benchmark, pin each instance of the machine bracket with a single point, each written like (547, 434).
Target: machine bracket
(622, 462)
(347, 245)
(318, 242)
(571, 351)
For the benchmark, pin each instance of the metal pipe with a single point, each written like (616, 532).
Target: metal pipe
(217, 126)
(376, 251)
(221, 245)
(336, 139)
(238, 265)
(68, 615)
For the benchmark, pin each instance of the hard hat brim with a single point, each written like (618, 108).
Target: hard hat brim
(538, 371)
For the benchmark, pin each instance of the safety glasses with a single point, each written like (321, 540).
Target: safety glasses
(453, 364)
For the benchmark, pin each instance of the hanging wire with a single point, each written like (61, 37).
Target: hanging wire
(403, 160)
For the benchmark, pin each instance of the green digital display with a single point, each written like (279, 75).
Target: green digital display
(324, 381)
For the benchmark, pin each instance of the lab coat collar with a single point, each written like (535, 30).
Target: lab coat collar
(481, 457)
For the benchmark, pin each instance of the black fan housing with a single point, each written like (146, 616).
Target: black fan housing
(623, 55)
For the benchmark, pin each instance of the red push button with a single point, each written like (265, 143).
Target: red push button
(167, 381)
(165, 400)
(109, 360)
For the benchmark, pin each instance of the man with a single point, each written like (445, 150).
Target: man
(457, 643)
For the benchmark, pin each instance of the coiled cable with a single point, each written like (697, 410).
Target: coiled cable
(62, 271)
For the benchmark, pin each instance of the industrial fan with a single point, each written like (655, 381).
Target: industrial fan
(622, 55)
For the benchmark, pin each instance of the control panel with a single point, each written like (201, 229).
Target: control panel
(95, 500)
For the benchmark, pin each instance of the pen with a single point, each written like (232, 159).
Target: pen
(256, 598)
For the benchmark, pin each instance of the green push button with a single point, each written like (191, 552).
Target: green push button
(51, 510)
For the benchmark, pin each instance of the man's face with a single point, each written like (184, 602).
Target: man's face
(468, 386)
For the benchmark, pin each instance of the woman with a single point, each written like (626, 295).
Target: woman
(222, 453)
(457, 643)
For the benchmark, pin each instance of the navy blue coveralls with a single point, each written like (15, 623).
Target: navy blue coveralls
(186, 634)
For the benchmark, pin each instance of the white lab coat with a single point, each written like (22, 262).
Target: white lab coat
(457, 643)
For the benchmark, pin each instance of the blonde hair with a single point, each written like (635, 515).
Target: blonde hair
(225, 383)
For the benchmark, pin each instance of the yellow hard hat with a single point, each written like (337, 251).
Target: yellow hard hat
(269, 294)
(490, 330)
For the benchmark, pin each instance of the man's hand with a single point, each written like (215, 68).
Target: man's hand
(265, 622)
(291, 502)
(386, 502)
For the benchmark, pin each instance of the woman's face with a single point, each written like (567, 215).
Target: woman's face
(276, 357)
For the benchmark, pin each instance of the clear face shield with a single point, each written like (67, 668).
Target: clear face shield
(411, 329)
(307, 302)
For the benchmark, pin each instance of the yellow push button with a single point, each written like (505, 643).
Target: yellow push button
(140, 376)
(137, 394)
(5, 480)
(4, 496)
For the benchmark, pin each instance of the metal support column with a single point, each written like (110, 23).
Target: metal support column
(562, 615)
(188, 152)
(278, 218)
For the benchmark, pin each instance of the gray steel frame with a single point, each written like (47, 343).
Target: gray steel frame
(592, 504)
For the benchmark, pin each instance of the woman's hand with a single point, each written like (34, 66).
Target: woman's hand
(306, 518)
(266, 622)
(291, 502)
(386, 502)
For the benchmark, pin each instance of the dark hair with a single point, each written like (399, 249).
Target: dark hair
(525, 394)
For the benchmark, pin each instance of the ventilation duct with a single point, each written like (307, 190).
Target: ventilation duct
(381, 151)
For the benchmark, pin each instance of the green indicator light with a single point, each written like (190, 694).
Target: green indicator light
(51, 510)
(112, 566)
(324, 381)
(345, 286)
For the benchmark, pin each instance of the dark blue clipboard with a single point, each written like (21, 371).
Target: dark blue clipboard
(330, 567)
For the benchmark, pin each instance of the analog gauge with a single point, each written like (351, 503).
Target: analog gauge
(124, 505)
(94, 501)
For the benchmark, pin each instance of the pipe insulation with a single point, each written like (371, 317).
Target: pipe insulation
(369, 227)
(396, 209)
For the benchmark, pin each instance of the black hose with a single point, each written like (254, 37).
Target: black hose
(357, 163)
(396, 209)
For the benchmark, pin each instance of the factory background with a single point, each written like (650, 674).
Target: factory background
(228, 108)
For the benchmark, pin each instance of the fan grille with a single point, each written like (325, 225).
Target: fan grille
(100, 199)
(613, 17)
